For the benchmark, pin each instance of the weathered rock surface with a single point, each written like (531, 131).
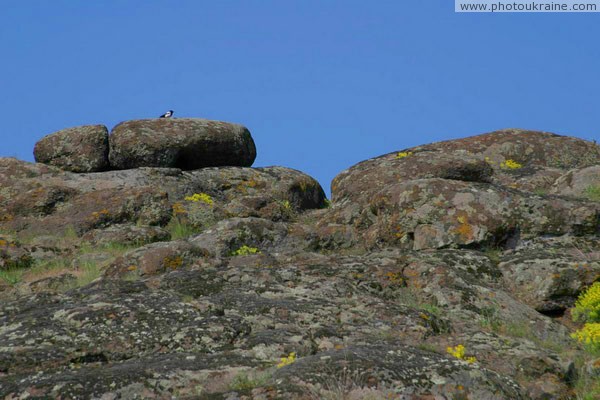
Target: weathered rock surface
(475, 191)
(167, 283)
(126, 235)
(183, 143)
(578, 182)
(79, 149)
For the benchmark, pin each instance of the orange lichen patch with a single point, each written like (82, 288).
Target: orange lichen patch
(132, 268)
(250, 183)
(178, 208)
(3, 243)
(395, 277)
(100, 214)
(464, 229)
(6, 217)
(173, 262)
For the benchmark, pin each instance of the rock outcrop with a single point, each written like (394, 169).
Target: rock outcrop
(483, 190)
(191, 280)
(183, 143)
(79, 149)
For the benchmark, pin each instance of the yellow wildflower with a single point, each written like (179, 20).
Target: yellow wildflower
(510, 164)
(200, 197)
(290, 359)
(403, 154)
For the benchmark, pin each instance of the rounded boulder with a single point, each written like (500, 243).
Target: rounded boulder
(78, 149)
(185, 143)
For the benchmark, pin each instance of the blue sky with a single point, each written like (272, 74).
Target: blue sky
(321, 84)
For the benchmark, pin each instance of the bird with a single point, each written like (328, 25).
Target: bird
(168, 114)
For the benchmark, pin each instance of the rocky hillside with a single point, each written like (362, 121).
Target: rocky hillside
(154, 262)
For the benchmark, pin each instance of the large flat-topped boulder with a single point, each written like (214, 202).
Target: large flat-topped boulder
(185, 143)
(78, 149)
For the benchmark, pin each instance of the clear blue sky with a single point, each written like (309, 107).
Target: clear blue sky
(321, 84)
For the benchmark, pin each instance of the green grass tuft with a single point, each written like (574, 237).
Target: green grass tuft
(180, 229)
(12, 276)
(592, 192)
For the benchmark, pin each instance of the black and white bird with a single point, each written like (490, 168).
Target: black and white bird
(168, 114)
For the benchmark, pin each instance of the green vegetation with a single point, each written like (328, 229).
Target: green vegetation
(12, 275)
(85, 272)
(88, 272)
(592, 192)
(494, 254)
(428, 347)
(181, 229)
(286, 204)
(490, 318)
(246, 381)
(192, 216)
(523, 329)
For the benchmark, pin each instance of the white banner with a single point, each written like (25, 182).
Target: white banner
(526, 6)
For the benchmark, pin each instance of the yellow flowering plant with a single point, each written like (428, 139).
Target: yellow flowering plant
(510, 164)
(200, 197)
(587, 306)
(290, 359)
(404, 154)
(245, 251)
(458, 351)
